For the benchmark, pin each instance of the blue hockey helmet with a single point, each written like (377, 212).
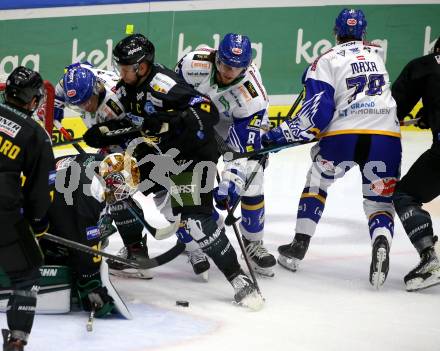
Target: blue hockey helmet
(79, 84)
(351, 23)
(235, 50)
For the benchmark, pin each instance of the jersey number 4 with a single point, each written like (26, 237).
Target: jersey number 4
(373, 84)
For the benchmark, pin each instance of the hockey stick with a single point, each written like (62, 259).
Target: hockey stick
(91, 319)
(409, 122)
(157, 233)
(240, 243)
(68, 142)
(67, 136)
(150, 262)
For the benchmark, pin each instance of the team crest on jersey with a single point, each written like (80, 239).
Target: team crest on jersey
(251, 89)
(305, 120)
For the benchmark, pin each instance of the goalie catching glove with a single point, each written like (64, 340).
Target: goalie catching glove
(121, 176)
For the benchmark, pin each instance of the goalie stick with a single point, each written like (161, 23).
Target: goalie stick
(163, 258)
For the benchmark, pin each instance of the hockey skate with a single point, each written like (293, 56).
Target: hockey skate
(246, 294)
(11, 344)
(427, 272)
(199, 262)
(260, 259)
(291, 254)
(138, 252)
(380, 261)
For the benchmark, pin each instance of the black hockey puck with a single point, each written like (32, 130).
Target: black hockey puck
(182, 303)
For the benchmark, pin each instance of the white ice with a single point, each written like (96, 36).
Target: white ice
(328, 304)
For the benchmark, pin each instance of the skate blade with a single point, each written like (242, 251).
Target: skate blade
(204, 277)
(132, 274)
(289, 263)
(264, 272)
(253, 301)
(418, 284)
(378, 276)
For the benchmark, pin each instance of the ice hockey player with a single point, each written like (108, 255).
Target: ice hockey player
(349, 107)
(91, 91)
(234, 85)
(420, 79)
(27, 178)
(77, 215)
(174, 115)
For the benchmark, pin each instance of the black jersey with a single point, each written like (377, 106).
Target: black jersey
(165, 91)
(420, 79)
(27, 169)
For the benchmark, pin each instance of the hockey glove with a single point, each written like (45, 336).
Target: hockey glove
(113, 132)
(422, 123)
(58, 111)
(94, 295)
(274, 137)
(229, 189)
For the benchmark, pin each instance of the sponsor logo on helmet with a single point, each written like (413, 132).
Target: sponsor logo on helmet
(71, 93)
(352, 22)
(237, 51)
(132, 51)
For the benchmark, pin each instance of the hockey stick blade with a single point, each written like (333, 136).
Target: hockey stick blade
(68, 142)
(167, 256)
(157, 233)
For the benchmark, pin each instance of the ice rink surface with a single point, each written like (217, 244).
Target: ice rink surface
(328, 304)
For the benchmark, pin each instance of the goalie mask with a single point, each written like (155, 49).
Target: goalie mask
(121, 176)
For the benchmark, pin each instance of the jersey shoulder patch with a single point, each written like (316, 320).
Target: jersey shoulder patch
(250, 88)
(201, 57)
(113, 105)
(162, 83)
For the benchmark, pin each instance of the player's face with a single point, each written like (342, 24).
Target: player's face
(227, 74)
(128, 73)
(91, 105)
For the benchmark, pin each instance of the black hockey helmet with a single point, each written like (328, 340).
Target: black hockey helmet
(23, 84)
(133, 49)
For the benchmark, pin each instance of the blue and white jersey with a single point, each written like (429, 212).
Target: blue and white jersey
(242, 105)
(347, 92)
(109, 106)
